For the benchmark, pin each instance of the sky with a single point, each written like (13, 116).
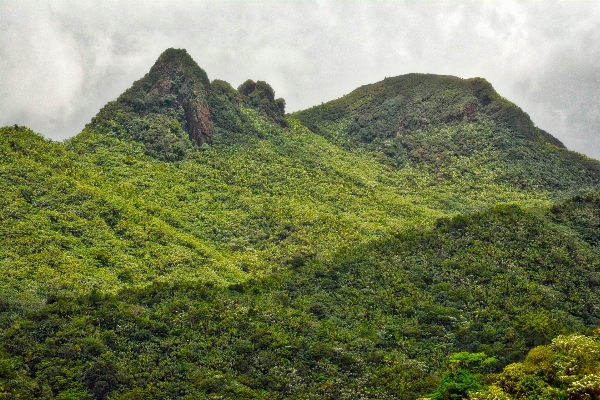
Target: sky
(61, 61)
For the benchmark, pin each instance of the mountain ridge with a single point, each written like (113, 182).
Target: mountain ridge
(436, 120)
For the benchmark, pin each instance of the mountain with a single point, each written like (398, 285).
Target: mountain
(455, 127)
(194, 240)
(175, 106)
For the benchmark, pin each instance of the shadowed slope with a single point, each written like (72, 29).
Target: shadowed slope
(373, 321)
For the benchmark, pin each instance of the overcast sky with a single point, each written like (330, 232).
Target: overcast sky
(61, 61)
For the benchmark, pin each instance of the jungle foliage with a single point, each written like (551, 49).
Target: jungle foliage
(195, 242)
(567, 368)
(376, 320)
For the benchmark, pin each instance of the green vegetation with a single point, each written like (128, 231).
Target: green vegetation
(464, 375)
(374, 320)
(195, 242)
(458, 129)
(566, 368)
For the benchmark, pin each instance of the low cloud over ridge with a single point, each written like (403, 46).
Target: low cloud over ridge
(61, 61)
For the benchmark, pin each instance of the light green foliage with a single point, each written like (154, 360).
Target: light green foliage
(464, 375)
(586, 388)
(66, 228)
(472, 361)
(577, 355)
(494, 393)
(568, 368)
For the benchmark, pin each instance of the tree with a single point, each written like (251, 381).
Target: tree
(465, 375)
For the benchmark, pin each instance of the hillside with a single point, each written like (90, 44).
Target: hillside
(377, 320)
(457, 128)
(196, 241)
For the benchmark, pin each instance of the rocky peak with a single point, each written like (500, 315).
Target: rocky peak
(176, 76)
(167, 110)
(261, 96)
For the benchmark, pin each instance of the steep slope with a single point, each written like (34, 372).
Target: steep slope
(167, 110)
(65, 230)
(454, 127)
(375, 321)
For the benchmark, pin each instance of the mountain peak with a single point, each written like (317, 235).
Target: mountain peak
(406, 104)
(175, 107)
(167, 110)
(178, 63)
(176, 80)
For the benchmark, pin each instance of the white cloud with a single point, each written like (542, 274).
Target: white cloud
(41, 69)
(61, 61)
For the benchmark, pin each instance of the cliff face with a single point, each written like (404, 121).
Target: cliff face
(175, 74)
(197, 115)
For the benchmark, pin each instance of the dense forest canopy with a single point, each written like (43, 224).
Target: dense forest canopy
(419, 237)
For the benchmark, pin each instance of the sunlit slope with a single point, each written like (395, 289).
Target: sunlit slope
(113, 216)
(459, 129)
(98, 213)
(64, 228)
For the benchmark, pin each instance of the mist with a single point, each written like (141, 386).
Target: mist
(61, 61)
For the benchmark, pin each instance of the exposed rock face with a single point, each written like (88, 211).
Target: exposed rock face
(197, 114)
(178, 75)
(175, 107)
